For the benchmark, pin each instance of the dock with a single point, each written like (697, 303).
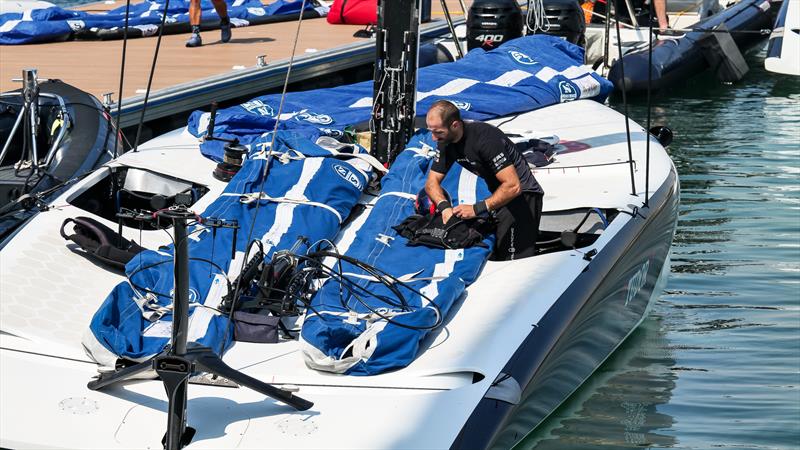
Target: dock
(190, 78)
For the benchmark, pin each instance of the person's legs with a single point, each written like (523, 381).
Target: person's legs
(194, 12)
(224, 20)
(504, 245)
(221, 7)
(518, 227)
(194, 20)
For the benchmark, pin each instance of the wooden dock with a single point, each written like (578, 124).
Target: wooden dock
(94, 66)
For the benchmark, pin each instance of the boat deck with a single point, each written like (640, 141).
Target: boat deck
(94, 66)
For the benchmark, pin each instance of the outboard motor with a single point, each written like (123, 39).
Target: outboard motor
(566, 20)
(493, 22)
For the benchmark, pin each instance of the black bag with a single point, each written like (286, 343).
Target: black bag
(431, 231)
(100, 242)
(259, 328)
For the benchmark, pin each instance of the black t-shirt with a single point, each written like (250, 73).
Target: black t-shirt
(484, 150)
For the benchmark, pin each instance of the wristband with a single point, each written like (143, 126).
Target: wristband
(480, 208)
(442, 205)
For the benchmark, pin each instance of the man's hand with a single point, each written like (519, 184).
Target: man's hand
(447, 214)
(464, 211)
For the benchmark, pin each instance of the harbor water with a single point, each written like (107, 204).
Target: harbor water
(717, 363)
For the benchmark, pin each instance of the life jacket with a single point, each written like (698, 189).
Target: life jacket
(353, 12)
(431, 231)
(100, 242)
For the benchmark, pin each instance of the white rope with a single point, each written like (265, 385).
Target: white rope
(259, 196)
(540, 20)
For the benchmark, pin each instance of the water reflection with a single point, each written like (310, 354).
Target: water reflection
(621, 400)
(718, 364)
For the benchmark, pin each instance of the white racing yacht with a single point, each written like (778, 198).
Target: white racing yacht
(528, 331)
(533, 327)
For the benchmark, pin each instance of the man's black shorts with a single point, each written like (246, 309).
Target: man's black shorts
(518, 227)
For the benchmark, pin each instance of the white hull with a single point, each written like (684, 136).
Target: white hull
(786, 59)
(49, 294)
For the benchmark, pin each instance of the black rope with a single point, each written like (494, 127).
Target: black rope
(142, 268)
(388, 280)
(150, 78)
(122, 72)
(624, 96)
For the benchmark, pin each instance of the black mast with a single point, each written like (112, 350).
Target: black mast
(395, 88)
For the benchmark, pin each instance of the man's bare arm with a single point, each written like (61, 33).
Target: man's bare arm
(509, 189)
(433, 186)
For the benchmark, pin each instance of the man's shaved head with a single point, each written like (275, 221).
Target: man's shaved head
(446, 111)
(444, 122)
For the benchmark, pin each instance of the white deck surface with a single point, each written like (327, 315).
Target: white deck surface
(49, 294)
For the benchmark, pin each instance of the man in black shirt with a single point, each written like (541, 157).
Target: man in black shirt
(484, 150)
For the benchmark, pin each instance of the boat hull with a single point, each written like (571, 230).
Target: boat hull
(783, 51)
(583, 328)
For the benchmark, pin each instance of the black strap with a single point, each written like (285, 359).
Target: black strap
(100, 242)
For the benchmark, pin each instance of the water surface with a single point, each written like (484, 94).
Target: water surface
(717, 364)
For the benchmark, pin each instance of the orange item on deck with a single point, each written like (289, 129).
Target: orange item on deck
(588, 8)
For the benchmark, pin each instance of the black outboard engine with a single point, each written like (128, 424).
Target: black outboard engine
(493, 22)
(566, 20)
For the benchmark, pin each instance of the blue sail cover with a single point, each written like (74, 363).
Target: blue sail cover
(341, 333)
(521, 75)
(310, 192)
(59, 24)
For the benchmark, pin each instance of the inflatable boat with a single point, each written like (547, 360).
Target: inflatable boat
(73, 136)
(716, 43)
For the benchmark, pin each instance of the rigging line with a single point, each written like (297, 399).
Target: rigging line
(549, 168)
(691, 8)
(680, 32)
(649, 104)
(449, 20)
(122, 74)
(265, 173)
(463, 8)
(150, 78)
(624, 97)
(607, 26)
(630, 27)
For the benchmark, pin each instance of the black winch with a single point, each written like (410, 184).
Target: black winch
(231, 162)
(490, 23)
